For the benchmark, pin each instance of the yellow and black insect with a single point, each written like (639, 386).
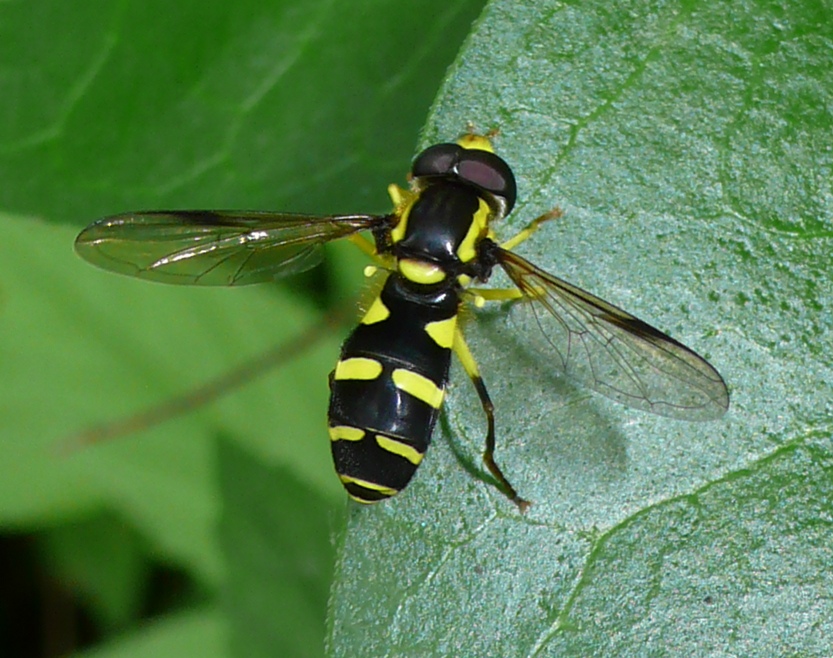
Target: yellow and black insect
(388, 386)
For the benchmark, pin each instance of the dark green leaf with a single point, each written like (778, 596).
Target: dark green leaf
(200, 633)
(112, 106)
(275, 532)
(303, 106)
(102, 558)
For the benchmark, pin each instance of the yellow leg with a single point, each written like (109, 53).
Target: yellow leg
(479, 296)
(496, 294)
(382, 261)
(522, 235)
(364, 244)
(461, 349)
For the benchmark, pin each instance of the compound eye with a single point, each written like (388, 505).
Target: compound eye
(437, 160)
(480, 169)
(490, 173)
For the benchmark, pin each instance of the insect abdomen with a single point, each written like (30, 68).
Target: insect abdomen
(388, 386)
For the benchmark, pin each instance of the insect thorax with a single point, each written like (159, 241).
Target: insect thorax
(441, 229)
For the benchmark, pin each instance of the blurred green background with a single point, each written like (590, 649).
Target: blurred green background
(110, 106)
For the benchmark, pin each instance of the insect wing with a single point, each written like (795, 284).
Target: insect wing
(611, 351)
(213, 248)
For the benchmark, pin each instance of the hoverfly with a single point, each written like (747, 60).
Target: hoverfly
(389, 383)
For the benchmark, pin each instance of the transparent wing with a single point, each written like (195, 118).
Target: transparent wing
(213, 248)
(611, 351)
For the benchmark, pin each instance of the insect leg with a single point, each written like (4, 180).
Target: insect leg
(401, 199)
(364, 244)
(461, 349)
(522, 235)
(479, 296)
(383, 261)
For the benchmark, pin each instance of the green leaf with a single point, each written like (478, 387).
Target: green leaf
(688, 147)
(275, 531)
(311, 106)
(200, 633)
(90, 347)
(102, 559)
(112, 106)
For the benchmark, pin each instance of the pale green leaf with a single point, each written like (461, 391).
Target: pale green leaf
(689, 147)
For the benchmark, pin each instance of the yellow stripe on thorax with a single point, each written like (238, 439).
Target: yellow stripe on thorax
(467, 251)
(403, 200)
(419, 386)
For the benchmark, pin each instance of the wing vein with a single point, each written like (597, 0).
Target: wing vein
(603, 347)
